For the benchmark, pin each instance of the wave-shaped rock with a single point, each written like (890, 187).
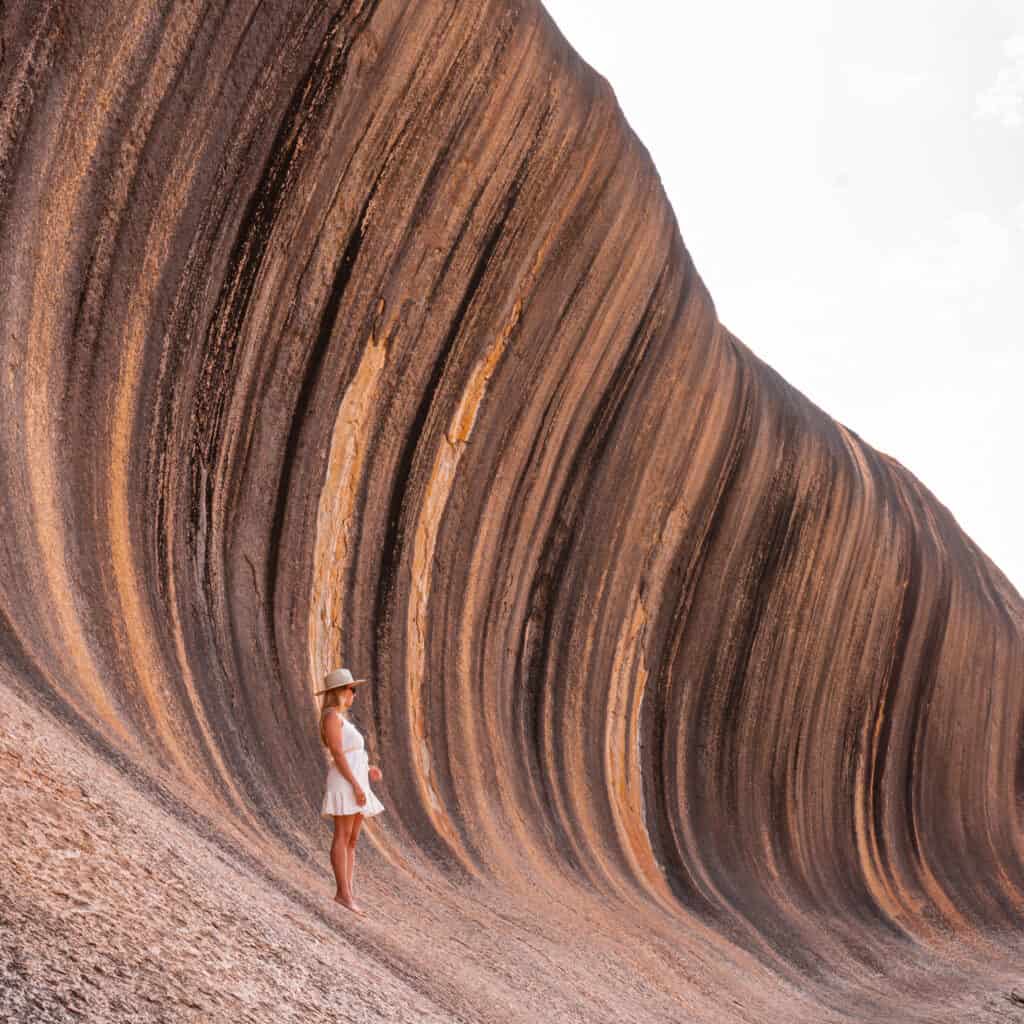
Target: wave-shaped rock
(363, 333)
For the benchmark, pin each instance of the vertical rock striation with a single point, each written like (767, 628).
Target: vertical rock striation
(362, 332)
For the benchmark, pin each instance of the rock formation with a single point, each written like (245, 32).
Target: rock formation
(362, 333)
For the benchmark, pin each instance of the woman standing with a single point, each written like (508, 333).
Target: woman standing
(348, 798)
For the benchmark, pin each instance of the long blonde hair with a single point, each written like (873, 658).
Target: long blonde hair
(331, 699)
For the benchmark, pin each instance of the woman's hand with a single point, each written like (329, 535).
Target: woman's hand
(374, 773)
(360, 795)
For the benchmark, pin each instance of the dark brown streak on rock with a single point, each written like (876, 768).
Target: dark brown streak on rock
(394, 538)
(659, 772)
(559, 546)
(307, 103)
(928, 666)
(18, 98)
(882, 748)
(310, 378)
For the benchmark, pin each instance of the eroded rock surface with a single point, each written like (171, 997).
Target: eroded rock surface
(363, 333)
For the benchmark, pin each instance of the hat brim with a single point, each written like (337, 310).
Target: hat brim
(341, 686)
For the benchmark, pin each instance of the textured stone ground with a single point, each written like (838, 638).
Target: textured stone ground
(114, 909)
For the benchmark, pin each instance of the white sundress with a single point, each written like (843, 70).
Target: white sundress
(340, 798)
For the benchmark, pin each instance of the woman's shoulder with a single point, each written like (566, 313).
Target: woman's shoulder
(337, 714)
(347, 725)
(329, 713)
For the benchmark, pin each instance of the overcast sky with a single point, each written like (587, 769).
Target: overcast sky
(847, 175)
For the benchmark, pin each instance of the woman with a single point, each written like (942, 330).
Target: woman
(349, 798)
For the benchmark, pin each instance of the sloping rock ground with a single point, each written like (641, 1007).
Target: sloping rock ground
(361, 332)
(115, 909)
(121, 901)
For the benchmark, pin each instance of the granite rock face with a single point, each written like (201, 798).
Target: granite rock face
(363, 333)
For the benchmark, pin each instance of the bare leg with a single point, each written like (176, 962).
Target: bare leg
(357, 821)
(339, 858)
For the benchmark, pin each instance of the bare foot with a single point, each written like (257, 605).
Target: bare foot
(349, 905)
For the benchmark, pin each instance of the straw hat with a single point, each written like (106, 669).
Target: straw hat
(340, 677)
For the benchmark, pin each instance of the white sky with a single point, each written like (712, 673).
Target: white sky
(847, 175)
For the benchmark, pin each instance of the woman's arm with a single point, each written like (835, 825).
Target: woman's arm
(332, 730)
